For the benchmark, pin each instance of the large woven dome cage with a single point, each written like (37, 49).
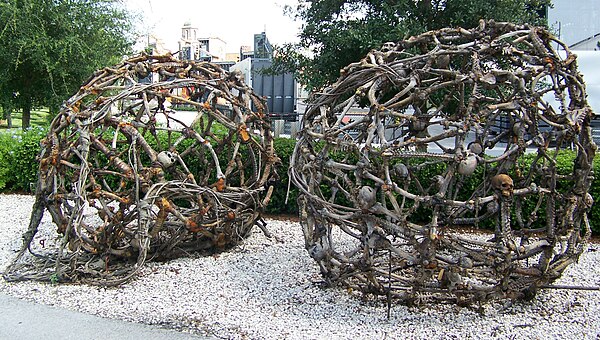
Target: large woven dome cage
(429, 137)
(127, 178)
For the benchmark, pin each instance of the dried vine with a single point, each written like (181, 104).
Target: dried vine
(433, 106)
(125, 179)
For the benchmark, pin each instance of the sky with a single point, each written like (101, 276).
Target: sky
(234, 21)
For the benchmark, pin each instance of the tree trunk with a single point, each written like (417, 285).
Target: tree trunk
(53, 110)
(26, 120)
(7, 114)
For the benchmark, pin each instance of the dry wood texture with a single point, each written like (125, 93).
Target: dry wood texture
(125, 179)
(432, 103)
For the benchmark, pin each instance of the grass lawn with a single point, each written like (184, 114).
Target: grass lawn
(39, 117)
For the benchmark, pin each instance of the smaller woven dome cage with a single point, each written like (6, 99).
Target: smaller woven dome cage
(448, 130)
(153, 159)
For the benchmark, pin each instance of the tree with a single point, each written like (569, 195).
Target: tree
(50, 47)
(336, 33)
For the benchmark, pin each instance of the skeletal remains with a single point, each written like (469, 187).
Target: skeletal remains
(382, 191)
(449, 118)
(125, 179)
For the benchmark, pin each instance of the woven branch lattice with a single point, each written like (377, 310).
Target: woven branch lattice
(126, 180)
(382, 191)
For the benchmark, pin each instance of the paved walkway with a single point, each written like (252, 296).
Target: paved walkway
(23, 320)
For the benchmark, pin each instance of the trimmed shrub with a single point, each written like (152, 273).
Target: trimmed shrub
(19, 166)
(284, 147)
(8, 142)
(18, 159)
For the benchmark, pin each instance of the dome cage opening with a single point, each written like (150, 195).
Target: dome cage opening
(450, 128)
(126, 178)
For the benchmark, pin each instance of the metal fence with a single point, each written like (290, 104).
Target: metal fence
(288, 128)
(596, 130)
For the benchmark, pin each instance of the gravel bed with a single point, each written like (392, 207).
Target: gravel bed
(267, 289)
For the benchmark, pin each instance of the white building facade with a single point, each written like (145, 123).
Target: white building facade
(191, 47)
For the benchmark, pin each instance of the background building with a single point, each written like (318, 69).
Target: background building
(279, 90)
(191, 47)
(262, 47)
(245, 52)
(577, 23)
(212, 49)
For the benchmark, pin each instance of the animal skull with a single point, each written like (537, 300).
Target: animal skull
(141, 69)
(476, 148)
(401, 170)
(367, 197)
(236, 76)
(468, 165)
(588, 200)
(504, 184)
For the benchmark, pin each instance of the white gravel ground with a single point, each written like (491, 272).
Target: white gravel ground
(265, 289)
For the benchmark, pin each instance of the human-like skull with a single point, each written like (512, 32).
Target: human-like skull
(504, 184)
(388, 46)
(166, 158)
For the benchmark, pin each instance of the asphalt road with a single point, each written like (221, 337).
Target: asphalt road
(23, 320)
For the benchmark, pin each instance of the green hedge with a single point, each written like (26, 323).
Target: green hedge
(284, 147)
(18, 171)
(18, 159)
